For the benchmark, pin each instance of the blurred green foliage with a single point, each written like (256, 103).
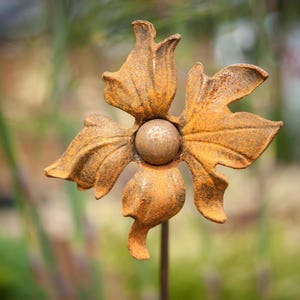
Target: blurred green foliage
(16, 277)
(230, 270)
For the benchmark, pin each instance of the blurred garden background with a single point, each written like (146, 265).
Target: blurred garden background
(59, 243)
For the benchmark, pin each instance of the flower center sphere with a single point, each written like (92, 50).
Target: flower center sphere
(157, 142)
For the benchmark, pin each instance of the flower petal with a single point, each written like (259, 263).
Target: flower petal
(146, 83)
(228, 85)
(152, 196)
(209, 188)
(96, 156)
(213, 135)
(232, 139)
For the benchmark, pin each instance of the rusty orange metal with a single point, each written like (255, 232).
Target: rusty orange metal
(207, 133)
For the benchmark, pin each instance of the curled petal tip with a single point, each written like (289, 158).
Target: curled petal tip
(174, 37)
(217, 217)
(47, 170)
(143, 30)
(138, 22)
(52, 171)
(279, 124)
(213, 212)
(138, 251)
(137, 241)
(262, 72)
(198, 64)
(100, 192)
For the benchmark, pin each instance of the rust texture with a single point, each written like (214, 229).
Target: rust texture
(207, 133)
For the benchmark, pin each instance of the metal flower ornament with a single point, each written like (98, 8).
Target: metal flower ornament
(207, 133)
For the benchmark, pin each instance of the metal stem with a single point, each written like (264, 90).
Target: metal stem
(164, 262)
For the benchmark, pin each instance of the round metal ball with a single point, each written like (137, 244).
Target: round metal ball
(157, 142)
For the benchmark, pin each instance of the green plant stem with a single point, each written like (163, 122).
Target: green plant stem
(25, 204)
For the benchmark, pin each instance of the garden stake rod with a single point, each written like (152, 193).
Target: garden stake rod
(164, 261)
(206, 133)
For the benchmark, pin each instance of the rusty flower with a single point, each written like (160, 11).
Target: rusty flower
(207, 133)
